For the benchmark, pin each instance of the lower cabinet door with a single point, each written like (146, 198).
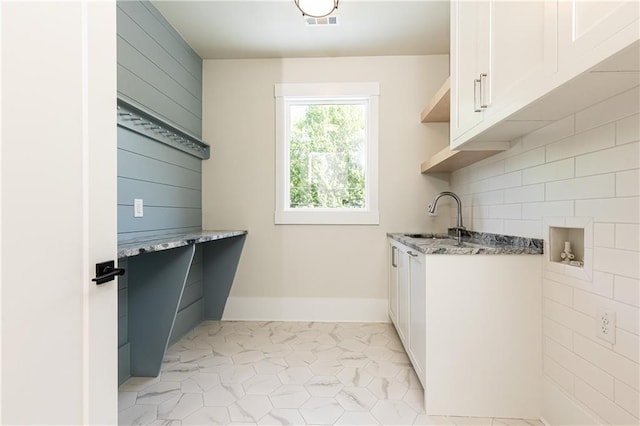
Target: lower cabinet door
(393, 283)
(417, 313)
(403, 296)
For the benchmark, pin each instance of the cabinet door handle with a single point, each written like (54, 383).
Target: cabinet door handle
(476, 88)
(483, 90)
(410, 253)
(394, 262)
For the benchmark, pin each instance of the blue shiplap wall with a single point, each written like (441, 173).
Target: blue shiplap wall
(167, 180)
(157, 70)
(160, 74)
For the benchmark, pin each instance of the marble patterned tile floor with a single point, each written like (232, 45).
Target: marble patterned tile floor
(276, 373)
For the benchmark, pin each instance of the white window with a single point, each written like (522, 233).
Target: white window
(327, 153)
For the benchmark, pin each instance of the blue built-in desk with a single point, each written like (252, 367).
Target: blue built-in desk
(160, 304)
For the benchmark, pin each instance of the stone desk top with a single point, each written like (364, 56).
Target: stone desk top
(134, 247)
(472, 243)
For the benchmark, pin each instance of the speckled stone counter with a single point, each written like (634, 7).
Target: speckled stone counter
(138, 246)
(472, 243)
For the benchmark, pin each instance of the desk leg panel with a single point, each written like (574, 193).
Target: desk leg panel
(156, 283)
(220, 262)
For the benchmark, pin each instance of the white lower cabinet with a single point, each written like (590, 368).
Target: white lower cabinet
(417, 318)
(471, 326)
(393, 284)
(403, 294)
(407, 302)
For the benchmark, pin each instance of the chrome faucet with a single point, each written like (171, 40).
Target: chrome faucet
(432, 210)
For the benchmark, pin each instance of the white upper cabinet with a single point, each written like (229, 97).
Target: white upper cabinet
(497, 49)
(507, 56)
(518, 54)
(469, 58)
(590, 31)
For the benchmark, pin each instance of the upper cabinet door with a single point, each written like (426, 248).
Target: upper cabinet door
(590, 31)
(469, 55)
(519, 55)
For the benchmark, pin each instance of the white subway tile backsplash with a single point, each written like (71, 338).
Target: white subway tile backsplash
(551, 133)
(627, 345)
(602, 283)
(557, 332)
(480, 212)
(486, 169)
(558, 373)
(627, 316)
(493, 226)
(524, 194)
(524, 228)
(505, 211)
(620, 262)
(600, 186)
(574, 320)
(593, 375)
(628, 398)
(479, 186)
(604, 235)
(546, 209)
(582, 143)
(582, 171)
(622, 210)
(611, 412)
(627, 290)
(609, 110)
(525, 160)
(507, 180)
(488, 198)
(557, 292)
(628, 183)
(628, 130)
(620, 367)
(623, 157)
(549, 172)
(627, 236)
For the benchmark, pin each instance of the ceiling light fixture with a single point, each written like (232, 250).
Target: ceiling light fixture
(316, 8)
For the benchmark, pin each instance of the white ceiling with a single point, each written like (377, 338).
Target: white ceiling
(237, 29)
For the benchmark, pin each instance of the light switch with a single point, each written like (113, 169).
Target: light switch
(138, 207)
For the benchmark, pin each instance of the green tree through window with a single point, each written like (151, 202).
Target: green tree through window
(327, 156)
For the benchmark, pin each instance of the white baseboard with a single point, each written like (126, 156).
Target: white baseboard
(320, 309)
(560, 408)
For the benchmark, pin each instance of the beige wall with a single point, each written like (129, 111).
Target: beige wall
(324, 261)
(578, 171)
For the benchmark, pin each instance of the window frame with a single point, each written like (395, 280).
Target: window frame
(332, 94)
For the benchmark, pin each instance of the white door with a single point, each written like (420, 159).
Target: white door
(58, 212)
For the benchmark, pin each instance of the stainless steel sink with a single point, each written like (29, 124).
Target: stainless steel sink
(425, 236)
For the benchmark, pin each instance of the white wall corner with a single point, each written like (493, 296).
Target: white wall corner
(560, 408)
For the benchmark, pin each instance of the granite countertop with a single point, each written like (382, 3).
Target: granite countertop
(134, 247)
(472, 243)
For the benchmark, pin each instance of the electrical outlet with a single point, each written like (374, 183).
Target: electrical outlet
(606, 325)
(138, 207)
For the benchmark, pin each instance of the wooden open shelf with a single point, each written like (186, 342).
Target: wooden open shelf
(438, 109)
(447, 160)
